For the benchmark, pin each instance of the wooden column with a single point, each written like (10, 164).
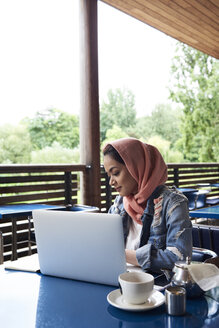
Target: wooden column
(89, 111)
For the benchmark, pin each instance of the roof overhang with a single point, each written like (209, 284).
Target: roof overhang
(194, 22)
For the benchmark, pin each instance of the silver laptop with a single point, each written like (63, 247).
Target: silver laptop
(79, 245)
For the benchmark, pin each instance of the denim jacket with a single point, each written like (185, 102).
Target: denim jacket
(166, 234)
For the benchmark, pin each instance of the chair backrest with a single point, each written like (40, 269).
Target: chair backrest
(197, 199)
(192, 195)
(205, 255)
(206, 236)
(192, 199)
(202, 254)
(201, 198)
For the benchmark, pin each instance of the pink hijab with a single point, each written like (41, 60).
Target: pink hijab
(146, 165)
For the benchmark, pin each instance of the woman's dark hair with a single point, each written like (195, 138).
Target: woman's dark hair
(111, 151)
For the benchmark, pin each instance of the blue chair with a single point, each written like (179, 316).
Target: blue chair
(197, 199)
(191, 195)
(205, 255)
(202, 254)
(209, 201)
(206, 236)
(192, 200)
(201, 198)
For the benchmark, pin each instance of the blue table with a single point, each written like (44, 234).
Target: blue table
(29, 300)
(215, 185)
(211, 212)
(13, 212)
(187, 190)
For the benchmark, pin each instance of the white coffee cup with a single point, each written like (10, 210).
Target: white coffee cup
(136, 287)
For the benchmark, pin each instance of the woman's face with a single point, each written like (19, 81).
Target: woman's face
(120, 178)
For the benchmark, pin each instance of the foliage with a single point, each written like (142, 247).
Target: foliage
(169, 155)
(53, 125)
(144, 127)
(118, 110)
(15, 145)
(163, 121)
(195, 87)
(113, 134)
(118, 120)
(55, 154)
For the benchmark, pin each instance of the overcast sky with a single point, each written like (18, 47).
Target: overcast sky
(39, 58)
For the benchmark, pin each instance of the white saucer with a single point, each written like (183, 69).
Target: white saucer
(116, 299)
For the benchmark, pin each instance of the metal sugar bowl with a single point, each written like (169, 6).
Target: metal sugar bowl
(183, 278)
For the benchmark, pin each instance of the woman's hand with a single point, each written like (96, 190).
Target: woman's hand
(131, 257)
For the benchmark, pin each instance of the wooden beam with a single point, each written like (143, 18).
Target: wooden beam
(89, 111)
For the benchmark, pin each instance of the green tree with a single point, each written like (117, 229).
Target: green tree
(15, 144)
(55, 154)
(166, 122)
(195, 86)
(112, 134)
(169, 155)
(118, 110)
(53, 125)
(163, 121)
(144, 127)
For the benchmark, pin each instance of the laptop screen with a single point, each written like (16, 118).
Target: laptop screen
(80, 245)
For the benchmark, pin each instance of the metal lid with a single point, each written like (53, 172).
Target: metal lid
(186, 263)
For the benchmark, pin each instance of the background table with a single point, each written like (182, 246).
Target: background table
(187, 190)
(14, 211)
(215, 185)
(31, 300)
(211, 212)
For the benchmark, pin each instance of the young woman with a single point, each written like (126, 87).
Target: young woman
(157, 228)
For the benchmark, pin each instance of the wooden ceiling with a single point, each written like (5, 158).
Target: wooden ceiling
(194, 22)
